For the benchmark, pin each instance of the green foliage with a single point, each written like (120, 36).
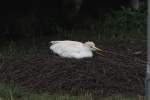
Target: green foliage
(11, 91)
(57, 97)
(14, 92)
(123, 24)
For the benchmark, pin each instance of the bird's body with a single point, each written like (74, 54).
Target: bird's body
(71, 49)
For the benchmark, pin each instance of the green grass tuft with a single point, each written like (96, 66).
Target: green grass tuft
(14, 92)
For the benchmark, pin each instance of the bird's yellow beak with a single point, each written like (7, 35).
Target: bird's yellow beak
(98, 49)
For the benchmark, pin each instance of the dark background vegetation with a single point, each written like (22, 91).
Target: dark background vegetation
(25, 18)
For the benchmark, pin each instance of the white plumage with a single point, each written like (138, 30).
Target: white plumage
(73, 49)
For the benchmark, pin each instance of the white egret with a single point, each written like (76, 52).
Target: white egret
(73, 49)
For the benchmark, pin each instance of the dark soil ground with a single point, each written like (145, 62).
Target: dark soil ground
(119, 70)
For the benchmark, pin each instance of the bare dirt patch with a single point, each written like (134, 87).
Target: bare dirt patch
(120, 72)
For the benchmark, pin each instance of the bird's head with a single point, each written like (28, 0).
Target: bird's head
(92, 46)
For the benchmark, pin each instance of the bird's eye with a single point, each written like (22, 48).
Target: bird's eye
(91, 46)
